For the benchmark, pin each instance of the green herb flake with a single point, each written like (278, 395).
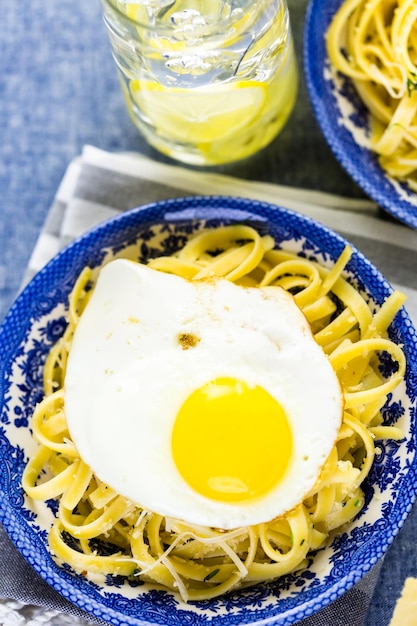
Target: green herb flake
(211, 574)
(411, 84)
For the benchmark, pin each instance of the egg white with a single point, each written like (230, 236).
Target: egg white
(128, 375)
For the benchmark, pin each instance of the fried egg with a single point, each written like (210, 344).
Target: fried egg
(204, 401)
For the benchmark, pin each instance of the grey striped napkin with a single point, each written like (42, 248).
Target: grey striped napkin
(98, 185)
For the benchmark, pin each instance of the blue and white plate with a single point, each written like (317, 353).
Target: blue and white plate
(36, 321)
(344, 120)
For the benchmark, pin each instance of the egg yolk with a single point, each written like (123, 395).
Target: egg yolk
(231, 441)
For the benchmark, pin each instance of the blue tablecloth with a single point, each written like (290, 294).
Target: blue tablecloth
(59, 91)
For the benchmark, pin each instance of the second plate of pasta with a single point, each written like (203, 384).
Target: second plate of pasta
(359, 66)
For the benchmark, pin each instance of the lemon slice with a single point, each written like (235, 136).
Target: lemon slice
(136, 12)
(200, 115)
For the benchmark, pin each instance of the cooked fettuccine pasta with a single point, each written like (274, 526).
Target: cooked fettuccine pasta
(98, 531)
(374, 42)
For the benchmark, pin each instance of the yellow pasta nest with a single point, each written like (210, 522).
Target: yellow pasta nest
(98, 531)
(374, 42)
